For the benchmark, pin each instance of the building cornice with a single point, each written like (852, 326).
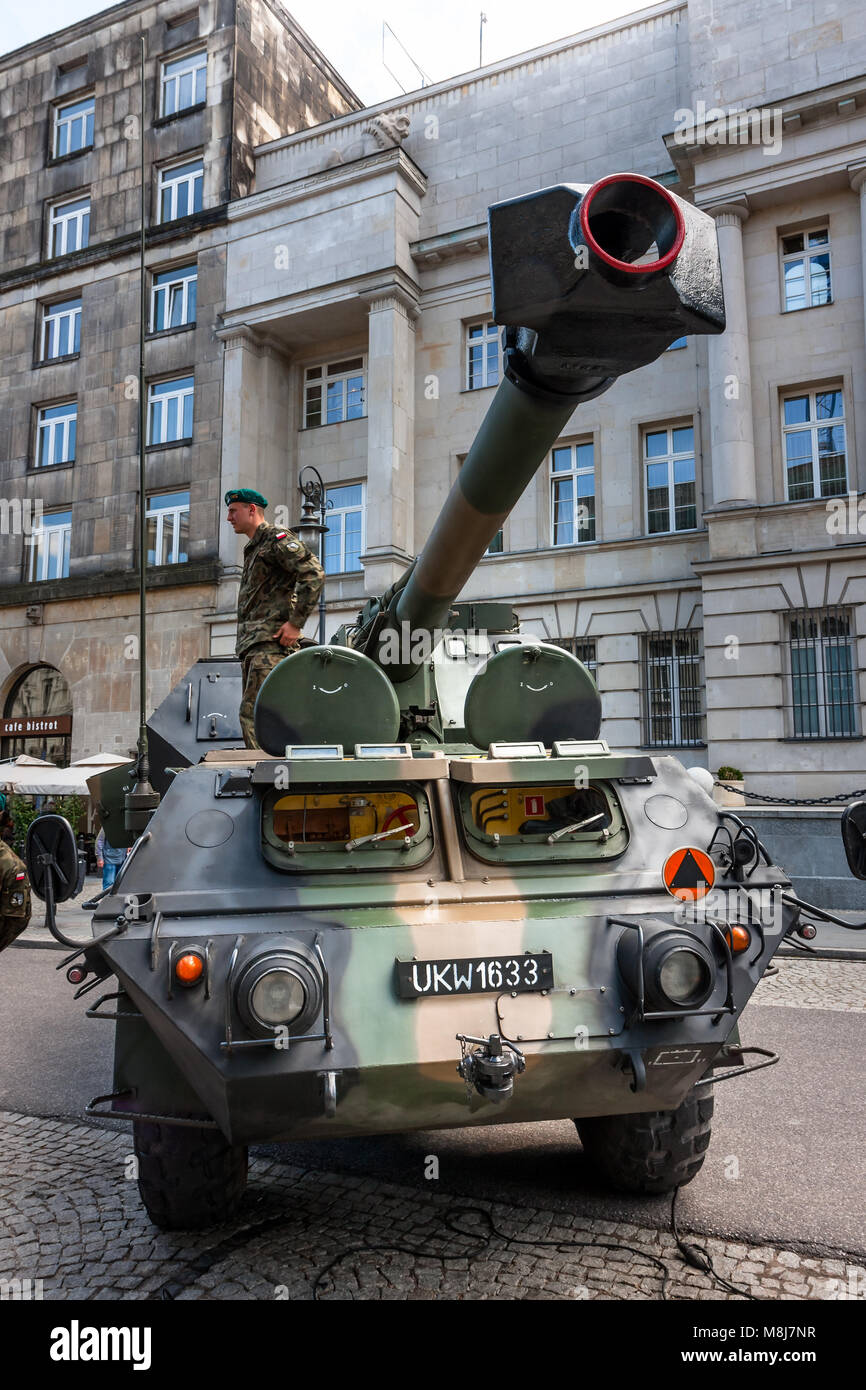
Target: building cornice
(95, 586)
(450, 246)
(834, 105)
(129, 9)
(111, 250)
(256, 318)
(339, 176)
(783, 559)
(249, 339)
(534, 60)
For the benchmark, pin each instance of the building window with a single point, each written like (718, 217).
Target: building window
(61, 329)
(169, 410)
(669, 458)
(69, 227)
(572, 502)
(172, 298)
(183, 83)
(813, 428)
(822, 674)
(497, 545)
(344, 538)
(49, 546)
(672, 689)
(41, 693)
(73, 126)
(167, 520)
(55, 434)
(582, 647)
(334, 392)
(806, 269)
(482, 355)
(180, 190)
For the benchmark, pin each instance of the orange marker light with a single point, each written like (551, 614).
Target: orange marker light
(189, 968)
(738, 939)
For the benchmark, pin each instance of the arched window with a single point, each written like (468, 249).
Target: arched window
(41, 693)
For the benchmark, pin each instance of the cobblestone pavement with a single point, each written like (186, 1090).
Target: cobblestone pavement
(815, 984)
(73, 1220)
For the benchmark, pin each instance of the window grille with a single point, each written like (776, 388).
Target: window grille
(581, 647)
(672, 689)
(822, 671)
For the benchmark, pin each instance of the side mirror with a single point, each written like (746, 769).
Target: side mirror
(51, 855)
(854, 837)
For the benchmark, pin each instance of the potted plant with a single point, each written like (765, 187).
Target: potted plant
(733, 778)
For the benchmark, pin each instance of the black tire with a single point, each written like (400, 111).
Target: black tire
(650, 1153)
(188, 1178)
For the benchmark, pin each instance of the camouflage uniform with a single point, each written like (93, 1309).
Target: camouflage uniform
(281, 582)
(14, 896)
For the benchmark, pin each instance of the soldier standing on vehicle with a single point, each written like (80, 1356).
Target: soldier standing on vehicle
(280, 586)
(14, 894)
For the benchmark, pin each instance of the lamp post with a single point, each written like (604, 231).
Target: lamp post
(312, 531)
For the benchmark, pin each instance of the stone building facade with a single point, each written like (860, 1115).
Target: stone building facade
(699, 533)
(220, 78)
(716, 574)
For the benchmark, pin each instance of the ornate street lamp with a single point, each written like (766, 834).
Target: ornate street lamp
(312, 531)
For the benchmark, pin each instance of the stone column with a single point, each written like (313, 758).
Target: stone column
(390, 406)
(255, 453)
(857, 176)
(731, 429)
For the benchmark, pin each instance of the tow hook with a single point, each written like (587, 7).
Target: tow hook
(489, 1068)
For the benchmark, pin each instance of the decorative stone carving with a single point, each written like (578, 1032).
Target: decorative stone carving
(381, 133)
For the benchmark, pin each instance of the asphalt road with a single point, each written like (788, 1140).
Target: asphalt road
(785, 1164)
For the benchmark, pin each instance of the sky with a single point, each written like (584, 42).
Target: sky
(439, 35)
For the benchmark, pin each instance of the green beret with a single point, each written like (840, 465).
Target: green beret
(247, 494)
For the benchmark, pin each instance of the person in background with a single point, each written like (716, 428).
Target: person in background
(14, 887)
(7, 824)
(108, 859)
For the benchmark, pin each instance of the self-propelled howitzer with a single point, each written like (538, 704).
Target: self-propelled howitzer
(437, 898)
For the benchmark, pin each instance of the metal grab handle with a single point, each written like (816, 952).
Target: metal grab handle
(93, 1011)
(91, 1109)
(742, 1071)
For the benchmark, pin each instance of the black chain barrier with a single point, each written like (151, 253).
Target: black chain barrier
(761, 797)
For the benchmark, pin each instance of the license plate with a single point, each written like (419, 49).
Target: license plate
(421, 979)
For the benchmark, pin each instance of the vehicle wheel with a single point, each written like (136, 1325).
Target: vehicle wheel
(188, 1178)
(650, 1153)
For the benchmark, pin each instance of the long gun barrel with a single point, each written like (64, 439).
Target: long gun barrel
(589, 282)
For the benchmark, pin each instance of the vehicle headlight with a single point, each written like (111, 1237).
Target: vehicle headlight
(278, 997)
(280, 986)
(684, 977)
(676, 971)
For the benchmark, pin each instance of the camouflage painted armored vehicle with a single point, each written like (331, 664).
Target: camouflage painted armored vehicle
(438, 898)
